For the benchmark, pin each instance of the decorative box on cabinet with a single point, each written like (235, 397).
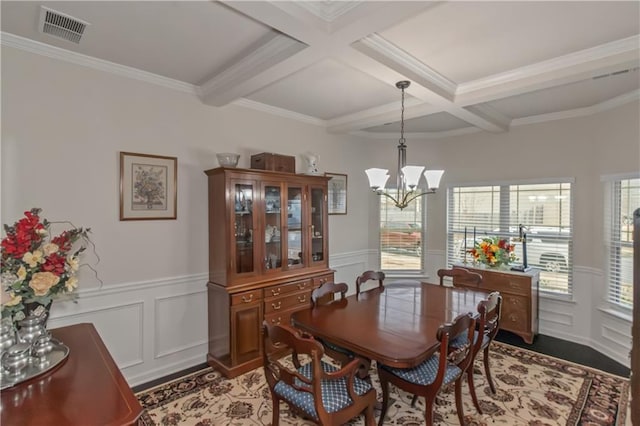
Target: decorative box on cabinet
(268, 249)
(519, 298)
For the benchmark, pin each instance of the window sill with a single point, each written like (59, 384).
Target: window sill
(616, 313)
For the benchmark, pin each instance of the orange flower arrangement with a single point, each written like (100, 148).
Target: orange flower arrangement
(494, 251)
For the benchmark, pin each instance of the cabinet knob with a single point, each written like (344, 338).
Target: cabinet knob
(276, 306)
(302, 298)
(275, 292)
(275, 321)
(246, 299)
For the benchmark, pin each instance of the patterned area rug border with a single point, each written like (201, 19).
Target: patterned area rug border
(601, 398)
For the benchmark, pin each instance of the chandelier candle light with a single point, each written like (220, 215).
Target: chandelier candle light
(408, 177)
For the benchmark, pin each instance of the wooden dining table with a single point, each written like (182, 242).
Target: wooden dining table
(396, 325)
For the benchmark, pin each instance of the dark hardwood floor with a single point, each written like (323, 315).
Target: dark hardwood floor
(547, 345)
(574, 352)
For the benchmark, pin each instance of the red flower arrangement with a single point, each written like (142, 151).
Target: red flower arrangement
(493, 251)
(35, 266)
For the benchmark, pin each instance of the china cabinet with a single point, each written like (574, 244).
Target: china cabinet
(519, 292)
(268, 250)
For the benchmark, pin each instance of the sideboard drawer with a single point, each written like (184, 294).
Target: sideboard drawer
(515, 313)
(246, 297)
(297, 300)
(506, 283)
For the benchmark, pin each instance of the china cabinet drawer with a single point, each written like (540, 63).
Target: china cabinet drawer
(288, 288)
(279, 318)
(321, 279)
(298, 300)
(246, 297)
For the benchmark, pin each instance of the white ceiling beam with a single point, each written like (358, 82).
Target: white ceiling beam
(388, 113)
(565, 69)
(273, 60)
(429, 85)
(262, 68)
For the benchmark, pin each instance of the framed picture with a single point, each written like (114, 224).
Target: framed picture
(148, 186)
(337, 193)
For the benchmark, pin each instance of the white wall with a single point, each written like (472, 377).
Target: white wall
(63, 126)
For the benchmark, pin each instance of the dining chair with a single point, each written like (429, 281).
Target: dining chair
(491, 309)
(325, 295)
(316, 390)
(462, 275)
(487, 323)
(369, 276)
(444, 367)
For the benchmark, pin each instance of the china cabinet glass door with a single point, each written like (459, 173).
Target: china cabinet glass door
(295, 246)
(272, 227)
(243, 261)
(318, 220)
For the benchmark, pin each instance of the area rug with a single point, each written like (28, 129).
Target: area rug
(532, 389)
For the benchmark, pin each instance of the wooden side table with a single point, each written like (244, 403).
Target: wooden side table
(85, 389)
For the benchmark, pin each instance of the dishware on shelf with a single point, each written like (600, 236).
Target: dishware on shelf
(228, 159)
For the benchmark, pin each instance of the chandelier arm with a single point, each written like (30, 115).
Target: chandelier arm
(427, 192)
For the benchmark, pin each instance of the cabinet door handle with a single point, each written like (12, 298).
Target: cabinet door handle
(275, 292)
(276, 306)
(302, 286)
(275, 321)
(277, 344)
(302, 298)
(247, 299)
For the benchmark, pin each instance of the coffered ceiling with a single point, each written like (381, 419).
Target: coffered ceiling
(474, 66)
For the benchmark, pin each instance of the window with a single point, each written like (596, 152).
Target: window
(401, 236)
(624, 199)
(498, 210)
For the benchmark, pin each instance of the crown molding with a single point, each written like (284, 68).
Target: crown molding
(624, 46)
(31, 46)
(258, 106)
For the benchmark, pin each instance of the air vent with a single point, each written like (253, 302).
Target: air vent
(616, 73)
(60, 25)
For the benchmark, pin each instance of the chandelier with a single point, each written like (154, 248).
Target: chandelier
(407, 177)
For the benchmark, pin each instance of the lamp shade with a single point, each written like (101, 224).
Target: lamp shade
(377, 177)
(433, 178)
(412, 175)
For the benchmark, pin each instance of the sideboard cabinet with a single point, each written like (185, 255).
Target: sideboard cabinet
(268, 249)
(519, 298)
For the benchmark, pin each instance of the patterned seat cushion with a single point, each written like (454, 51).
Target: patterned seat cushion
(335, 395)
(425, 373)
(462, 340)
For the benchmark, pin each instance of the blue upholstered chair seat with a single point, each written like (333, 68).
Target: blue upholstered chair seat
(425, 373)
(462, 340)
(335, 395)
(336, 347)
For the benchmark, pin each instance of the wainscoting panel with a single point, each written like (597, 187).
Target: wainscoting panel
(178, 323)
